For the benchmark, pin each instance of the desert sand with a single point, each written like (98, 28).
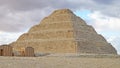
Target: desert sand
(55, 61)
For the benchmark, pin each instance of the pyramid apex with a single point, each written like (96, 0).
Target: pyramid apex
(62, 11)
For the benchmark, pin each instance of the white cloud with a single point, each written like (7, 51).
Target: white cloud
(104, 23)
(115, 41)
(107, 26)
(12, 21)
(6, 38)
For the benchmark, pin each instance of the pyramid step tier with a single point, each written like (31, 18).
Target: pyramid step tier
(66, 46)
(51, 26)
(64, 33)
(48, 34)
(48, 46)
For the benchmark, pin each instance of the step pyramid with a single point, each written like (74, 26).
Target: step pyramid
(64, 32)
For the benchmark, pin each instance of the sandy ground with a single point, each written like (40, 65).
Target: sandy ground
(60, 62)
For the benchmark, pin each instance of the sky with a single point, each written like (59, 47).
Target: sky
(18, 16)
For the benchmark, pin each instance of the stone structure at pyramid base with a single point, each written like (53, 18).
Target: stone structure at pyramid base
(64, 32)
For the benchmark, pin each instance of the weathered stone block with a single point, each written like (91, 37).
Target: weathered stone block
(29, 52)
(6, 50)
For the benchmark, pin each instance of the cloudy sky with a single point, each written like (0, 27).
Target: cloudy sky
(17, 16)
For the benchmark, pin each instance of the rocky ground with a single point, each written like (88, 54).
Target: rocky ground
(61, 61)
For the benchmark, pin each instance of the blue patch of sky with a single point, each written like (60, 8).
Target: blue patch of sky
(110, 33)
(83, 14)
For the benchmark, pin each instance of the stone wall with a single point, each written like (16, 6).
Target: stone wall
(6, 50)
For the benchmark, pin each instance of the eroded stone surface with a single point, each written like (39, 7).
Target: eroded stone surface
(64, 32)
